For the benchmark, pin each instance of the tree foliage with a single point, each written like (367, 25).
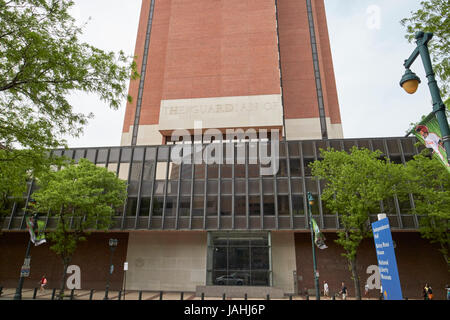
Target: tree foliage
(429, 182)
(434, 16)
(42, 60)
(355, 183)
(17, 167)
(83, 198)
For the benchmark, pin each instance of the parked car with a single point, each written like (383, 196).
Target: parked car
(230, 280)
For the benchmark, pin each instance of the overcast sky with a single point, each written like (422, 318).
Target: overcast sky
(368, 47)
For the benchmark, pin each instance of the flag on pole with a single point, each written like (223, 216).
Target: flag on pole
(36, 230)
(429, 133)
(319, 238)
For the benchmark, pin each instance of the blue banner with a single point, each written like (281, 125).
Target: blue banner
(387, 264)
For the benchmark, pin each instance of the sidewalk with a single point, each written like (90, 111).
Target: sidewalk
(27, 294)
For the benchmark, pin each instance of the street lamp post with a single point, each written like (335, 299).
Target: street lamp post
(316, 277)
(410, 82)
(112, 246)
(26, 264)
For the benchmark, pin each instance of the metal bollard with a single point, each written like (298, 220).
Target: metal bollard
(333, 297)
(203, 296)
(290, 297)
(34, 293)
(268, 297)
(71, 294)
(53, 294)
(1, 290)
(140, 295)
(120, 295)
(307, 296)
(91, 294)
(223, 296)
(181, 295)
(160, 295)
(245, 297)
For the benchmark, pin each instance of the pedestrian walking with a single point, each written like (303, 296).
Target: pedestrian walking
(326, 289)
(366, 290)
(425, 292)
(429, 292)
(344, 291)
(43, 283)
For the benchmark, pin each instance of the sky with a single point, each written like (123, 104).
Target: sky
(368, 49)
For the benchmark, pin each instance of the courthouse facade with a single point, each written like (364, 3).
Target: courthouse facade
(212, 70)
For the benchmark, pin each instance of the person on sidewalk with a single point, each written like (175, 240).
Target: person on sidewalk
(326, 289)
(344, 291)
(43, 283)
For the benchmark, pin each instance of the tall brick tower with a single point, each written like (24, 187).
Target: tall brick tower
(259, 64)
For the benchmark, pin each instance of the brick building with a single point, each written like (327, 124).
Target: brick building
(255, 65)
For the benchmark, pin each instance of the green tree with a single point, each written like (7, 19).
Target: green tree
(429, 182)
(83, 198)
(17, 167)
(434, 16)
(355, 183)
(42, 60)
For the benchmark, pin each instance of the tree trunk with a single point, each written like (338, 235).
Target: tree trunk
(63, 279)
(355, 279)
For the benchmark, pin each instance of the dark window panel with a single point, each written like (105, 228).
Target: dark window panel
(298, 205)
(211, 206)
(174, 171)
(294, 149)
(283, 205)
(364, 144)
(267, 186)
(157, 206)
(294, 166)
(253, 186)
(171, 206)
(199, 187)
(149, 168)
(197, 206)
(226, 171)
(240, 205)
(114, 155)
(145, 207)
(226, 203)
(163, 153)
(393, 147)
(186, 187)
(90, 155)
(254, 205)
(282, 186)
(296, 186)
(307, 148)
(126, 155)
(253, 171)
(212, 187)
(240, 186)
(213, 171)
(150, 154)
(269, 205)
(102, 155)
(307, 168)
(138, 154)
(172, 188)
(131, 206)
(239, 170)
(226, 187)
(79, 154)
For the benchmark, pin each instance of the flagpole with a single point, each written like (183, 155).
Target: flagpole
(316, 278)
(18, 294)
